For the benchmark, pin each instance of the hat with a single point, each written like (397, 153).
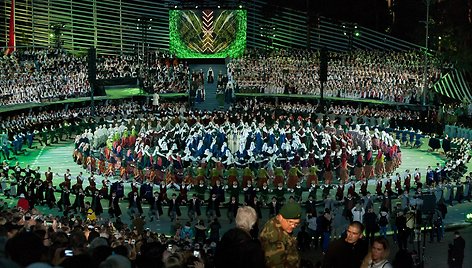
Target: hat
(291, 210)
(22, 195)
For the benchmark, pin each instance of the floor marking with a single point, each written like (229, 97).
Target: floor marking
(38, 156)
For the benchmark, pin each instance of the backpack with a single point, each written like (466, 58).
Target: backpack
(383, 221)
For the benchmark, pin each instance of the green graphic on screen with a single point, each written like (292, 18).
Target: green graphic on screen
(207, 33)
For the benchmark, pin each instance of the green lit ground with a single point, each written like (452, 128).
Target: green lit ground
(59, 158)
(123, 93)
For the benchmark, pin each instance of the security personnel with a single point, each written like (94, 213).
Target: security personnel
(279, 245)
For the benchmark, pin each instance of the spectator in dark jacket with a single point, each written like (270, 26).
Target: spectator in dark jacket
(25, 248)
(303, 239)
(456, 251)
(371, 226)
(347, 251)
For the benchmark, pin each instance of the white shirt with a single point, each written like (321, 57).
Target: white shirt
(381, 264)
(358, 215)
(312, 223)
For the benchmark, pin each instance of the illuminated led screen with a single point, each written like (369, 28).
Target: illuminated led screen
(207, 33)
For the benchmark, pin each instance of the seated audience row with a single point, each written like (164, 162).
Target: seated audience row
(41, 76)
(386, 76)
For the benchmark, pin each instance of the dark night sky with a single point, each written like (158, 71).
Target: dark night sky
(375, 14)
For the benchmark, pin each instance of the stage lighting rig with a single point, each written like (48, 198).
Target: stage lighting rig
(57, 33)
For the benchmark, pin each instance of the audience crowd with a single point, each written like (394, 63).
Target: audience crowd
(41, 76)
(374, 116)
(110, 67)
(159, 72)
(386, 76)
(166, 74)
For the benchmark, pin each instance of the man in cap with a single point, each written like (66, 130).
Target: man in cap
(276, 239)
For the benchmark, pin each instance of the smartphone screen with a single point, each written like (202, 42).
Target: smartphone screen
(196, 253)
(68, 253)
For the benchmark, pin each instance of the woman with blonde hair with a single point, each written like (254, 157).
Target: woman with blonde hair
(378, 255)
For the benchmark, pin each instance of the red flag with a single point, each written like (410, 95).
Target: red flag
(12, 40)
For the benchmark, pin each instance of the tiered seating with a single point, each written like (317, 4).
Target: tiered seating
(380, 75)
(35, 76)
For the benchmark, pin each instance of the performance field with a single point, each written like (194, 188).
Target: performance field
(230, 134)
(59, 158)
